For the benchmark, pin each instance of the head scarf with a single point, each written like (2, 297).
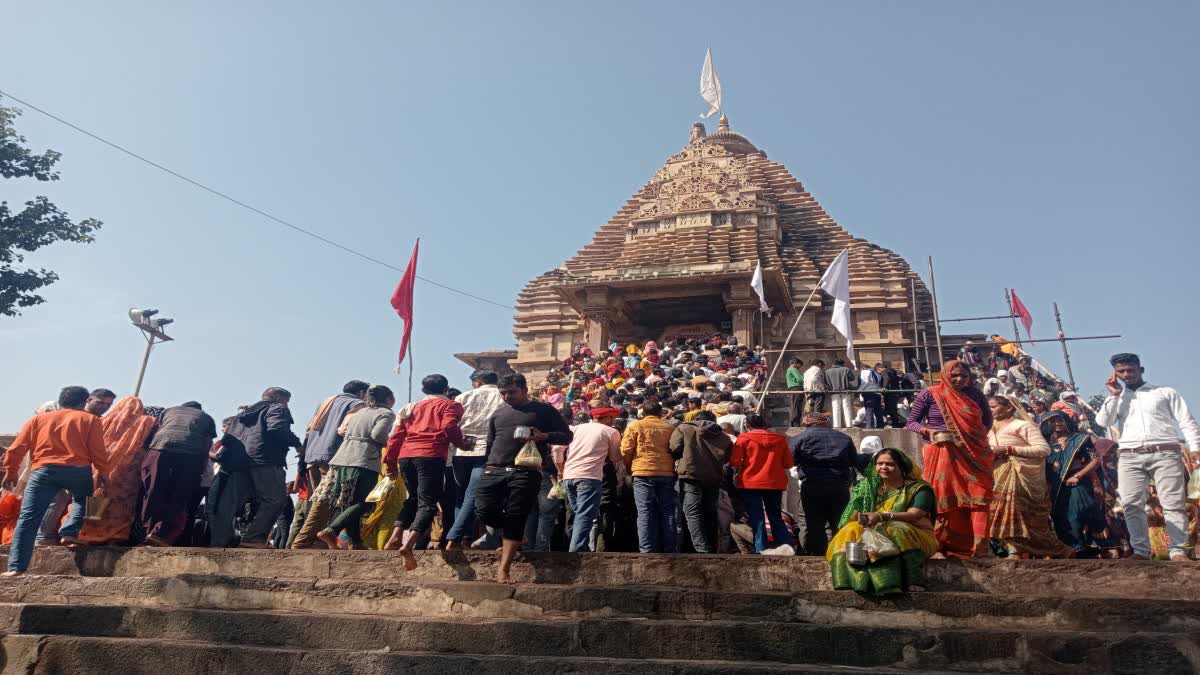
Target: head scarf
(870, 445)
(961, 413)
(597, 413)
(865, 495)
(1043, 421)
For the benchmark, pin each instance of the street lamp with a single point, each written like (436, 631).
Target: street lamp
(152, 330)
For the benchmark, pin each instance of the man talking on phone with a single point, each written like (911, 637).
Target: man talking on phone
(1149, 418)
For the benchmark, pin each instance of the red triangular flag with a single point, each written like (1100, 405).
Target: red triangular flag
(1023, 314)
(402, 299)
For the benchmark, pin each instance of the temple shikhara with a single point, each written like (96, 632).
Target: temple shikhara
(677, 261)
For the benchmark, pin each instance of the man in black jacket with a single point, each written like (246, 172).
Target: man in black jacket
(171, 470)
(824, 460)
(253, 454)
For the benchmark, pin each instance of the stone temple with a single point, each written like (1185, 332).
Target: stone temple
(677, 259)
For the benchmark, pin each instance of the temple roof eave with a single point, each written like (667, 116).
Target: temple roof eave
(775, 283)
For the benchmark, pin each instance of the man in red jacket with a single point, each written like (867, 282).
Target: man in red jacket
(424, 432)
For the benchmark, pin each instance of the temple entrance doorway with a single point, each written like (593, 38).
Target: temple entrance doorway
(694, 317)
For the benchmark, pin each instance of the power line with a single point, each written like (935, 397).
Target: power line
(242, 204)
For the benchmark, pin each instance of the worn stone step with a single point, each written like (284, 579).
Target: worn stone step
(1090, 578)
(843, 645)
(131, 656)
(448, 599)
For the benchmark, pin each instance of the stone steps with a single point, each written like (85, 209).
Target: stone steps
(772, 642)
(133, 656)
(454, 599)
(745, 573)
(112, 610)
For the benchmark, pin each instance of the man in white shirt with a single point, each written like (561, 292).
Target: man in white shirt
(815, 386)
(1149, 419)
(478, 405)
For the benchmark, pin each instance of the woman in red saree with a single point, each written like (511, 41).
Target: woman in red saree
(953, 418)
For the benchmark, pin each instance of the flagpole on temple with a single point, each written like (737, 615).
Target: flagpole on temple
(1062, 339)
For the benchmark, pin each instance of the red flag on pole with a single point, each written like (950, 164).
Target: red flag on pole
(402, 300)
(1023, 314)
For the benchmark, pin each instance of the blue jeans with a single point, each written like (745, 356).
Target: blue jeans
(465, 520)
(763, 506)
(655, 500)
(40, 492)
(583, 494)
(539, 526)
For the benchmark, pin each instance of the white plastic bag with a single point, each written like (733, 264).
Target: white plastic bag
(878, 544)
(529, 457)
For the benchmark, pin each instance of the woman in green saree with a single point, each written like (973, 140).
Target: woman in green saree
(894, 501)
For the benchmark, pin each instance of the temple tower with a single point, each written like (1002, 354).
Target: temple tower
(677, 259)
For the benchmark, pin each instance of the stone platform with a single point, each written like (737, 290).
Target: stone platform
(183, 611)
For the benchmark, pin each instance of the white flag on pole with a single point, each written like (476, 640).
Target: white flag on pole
(710, 86)
(836, 282)
(756, 282)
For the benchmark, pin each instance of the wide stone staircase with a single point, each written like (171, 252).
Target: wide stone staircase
(183, 611)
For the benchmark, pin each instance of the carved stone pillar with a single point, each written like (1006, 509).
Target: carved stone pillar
(741, 303)
(599, 315)
(598, 331)
(743, 325)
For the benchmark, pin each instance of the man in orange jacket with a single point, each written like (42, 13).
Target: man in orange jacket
(65, 446)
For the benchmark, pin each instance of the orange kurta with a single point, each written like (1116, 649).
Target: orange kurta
(59, 438)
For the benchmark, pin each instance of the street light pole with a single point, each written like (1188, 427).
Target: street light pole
(152, 330)
(145, 360)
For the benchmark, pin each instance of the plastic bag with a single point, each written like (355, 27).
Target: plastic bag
(556, 490)
(878, 545)
(529, 457)
(379, 492)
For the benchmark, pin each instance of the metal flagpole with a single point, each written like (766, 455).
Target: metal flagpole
(1012, 315)
(410, 370)
(937, 327)
(912, 287)
(786, 341)
(1062, 339)
(928, 362)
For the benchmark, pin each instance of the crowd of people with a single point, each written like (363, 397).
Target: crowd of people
(634, 448)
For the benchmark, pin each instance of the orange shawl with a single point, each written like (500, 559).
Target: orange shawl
(960, 472)
(126, 430)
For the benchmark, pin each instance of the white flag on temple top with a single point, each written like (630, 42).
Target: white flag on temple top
(710, 86)
(756, 282)
(836, 282)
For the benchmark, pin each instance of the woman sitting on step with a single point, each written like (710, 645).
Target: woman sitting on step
(894, 502)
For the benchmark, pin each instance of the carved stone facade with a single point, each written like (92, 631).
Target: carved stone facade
(678, 257)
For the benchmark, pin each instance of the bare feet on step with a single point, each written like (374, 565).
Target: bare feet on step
(327, 537)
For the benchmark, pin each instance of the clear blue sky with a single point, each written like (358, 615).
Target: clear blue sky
(1051, 147)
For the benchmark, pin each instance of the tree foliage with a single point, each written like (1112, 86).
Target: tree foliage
(39, 224)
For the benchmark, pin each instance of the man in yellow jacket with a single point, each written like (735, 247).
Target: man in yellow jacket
(645, 448)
